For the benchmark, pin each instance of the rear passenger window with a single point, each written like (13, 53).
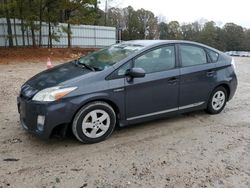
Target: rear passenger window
(157, 60)
(213, 55)
(192, 55)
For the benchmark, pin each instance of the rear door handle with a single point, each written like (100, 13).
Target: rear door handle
(210, 73)
(118, 90)
(172, 80)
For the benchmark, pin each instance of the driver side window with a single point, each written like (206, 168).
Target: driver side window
(160, 59)
(120, 72)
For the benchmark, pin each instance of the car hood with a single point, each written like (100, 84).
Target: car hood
(52, 77)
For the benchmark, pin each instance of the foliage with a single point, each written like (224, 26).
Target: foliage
(33, 12)
(135, 24)
(142, 24)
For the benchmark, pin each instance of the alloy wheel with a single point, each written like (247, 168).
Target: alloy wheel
(96, 123)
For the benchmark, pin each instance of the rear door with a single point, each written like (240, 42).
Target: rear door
(157, 92)
(197, 76)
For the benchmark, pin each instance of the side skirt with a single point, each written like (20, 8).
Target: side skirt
(166, 111)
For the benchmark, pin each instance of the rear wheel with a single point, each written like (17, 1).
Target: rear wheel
(217, 101)
(94, 122)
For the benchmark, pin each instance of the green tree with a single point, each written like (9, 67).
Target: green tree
(51, 17)
(209, 35)
(78, 12)
(115, 17)
(31, 18)
(13, 15)
(140, 24)
(191, 31)
(163, 30)
(20, 14)
(246, 42)
(6, 7)
(147, 24)
(131, 24)
(174, 30)
(233, 36)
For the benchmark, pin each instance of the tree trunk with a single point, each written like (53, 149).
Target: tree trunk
(69, 35)
(10, 36)
(61, 18)
(15, 32)
(67, 17)
(14, 15)
(32, 25)
(96, 12)
(27, 33)
(22, 24)
(50, 37)
(23, 31)
(33, 35)
(40, 23)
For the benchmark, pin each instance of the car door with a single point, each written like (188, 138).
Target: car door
(157, 92)
(197, 76)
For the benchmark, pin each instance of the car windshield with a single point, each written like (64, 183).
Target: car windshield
(104, 58)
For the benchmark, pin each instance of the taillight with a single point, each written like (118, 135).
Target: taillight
(233, 64)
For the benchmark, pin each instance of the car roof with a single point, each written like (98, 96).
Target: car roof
(148, 43)
(144, 43)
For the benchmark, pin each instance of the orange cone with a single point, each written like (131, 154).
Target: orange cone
(49, 64)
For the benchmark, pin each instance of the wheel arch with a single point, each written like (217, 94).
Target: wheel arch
(63, 129)
(226, 86)
(101, 99)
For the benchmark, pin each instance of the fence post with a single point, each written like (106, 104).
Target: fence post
(95, 35)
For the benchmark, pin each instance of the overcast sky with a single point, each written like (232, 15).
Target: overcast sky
(220, 11)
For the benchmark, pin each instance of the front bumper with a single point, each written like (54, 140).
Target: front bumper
(55, 114)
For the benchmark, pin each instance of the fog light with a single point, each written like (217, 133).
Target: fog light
(40, 122)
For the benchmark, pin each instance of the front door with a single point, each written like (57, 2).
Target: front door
(157, 92)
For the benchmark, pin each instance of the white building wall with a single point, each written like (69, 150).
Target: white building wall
(82, 35)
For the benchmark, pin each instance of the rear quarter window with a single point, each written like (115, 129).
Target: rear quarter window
(213, 55)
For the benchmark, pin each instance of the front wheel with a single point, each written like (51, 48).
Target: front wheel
(94, 122)
(217, 101)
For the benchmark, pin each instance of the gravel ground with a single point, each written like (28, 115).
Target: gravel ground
(190, 150)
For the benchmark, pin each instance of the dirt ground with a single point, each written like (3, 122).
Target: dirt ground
(190, 150)
(36, 55)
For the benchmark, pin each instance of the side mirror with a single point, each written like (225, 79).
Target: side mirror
(135, 73)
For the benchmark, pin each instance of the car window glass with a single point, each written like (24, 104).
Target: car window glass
(213, 55)
(104, 58)
(121, 71)
(192, 55)
(157, 60)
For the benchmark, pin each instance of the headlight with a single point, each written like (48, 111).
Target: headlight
(52, 93)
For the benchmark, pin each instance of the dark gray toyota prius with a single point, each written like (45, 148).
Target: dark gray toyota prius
(126, 83)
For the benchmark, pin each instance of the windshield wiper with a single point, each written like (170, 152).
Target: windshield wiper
(77, 62)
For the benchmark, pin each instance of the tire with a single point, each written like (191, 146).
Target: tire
(217, 100)
(94, 122)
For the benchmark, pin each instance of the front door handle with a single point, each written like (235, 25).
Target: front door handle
(172, 80)
(210, 73)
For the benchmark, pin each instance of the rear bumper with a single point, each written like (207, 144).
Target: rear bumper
(54, 113)
(233, 87)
